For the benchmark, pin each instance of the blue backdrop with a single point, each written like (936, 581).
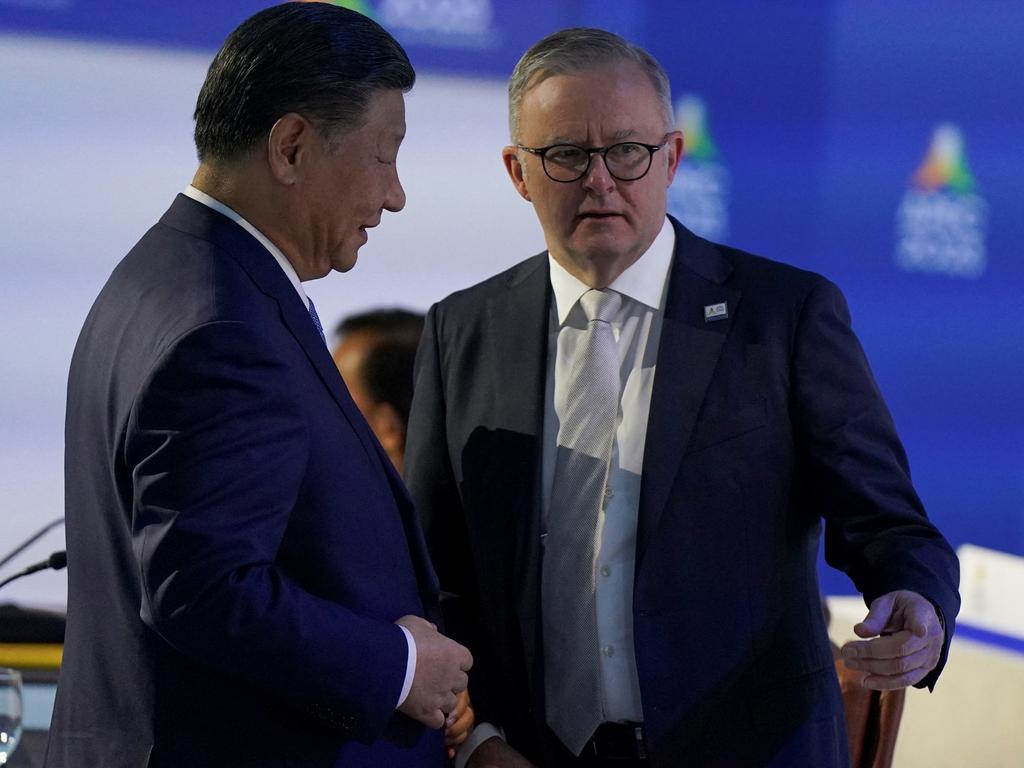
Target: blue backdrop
(881, 144)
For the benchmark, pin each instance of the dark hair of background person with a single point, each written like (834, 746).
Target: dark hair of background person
(318, 60)
(387, 369)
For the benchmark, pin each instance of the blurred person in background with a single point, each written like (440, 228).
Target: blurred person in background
(375, 352)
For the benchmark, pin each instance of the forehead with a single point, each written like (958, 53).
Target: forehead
(617, 99)
(384, 116)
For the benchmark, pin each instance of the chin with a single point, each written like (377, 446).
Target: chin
(344, 263)
(597, 247)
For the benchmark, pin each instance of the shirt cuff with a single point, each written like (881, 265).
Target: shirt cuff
(410, 667)
(481, 733)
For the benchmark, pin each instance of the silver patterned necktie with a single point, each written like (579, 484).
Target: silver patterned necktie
(572, 666)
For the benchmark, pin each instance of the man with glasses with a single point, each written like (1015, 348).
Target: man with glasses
(622, 450)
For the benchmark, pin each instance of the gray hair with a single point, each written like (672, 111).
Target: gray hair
(577, 49)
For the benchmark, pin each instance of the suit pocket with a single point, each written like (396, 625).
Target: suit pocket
(724, 424)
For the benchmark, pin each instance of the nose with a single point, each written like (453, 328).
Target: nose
(394, 201)
(597, 179)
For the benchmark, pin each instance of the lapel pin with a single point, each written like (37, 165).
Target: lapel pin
(714, 312)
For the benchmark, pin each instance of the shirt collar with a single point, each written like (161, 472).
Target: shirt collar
(210, 202)
(643, 280)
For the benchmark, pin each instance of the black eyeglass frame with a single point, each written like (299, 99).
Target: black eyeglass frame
(541, 152)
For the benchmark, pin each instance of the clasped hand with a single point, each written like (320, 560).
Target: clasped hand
(441, 667)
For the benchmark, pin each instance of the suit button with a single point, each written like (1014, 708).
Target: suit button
(608, 650)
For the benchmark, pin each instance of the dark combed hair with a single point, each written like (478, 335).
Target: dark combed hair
(387, 369)
(318, 60)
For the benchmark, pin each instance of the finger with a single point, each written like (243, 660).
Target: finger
(889, 646)
(448, 702)
(892, 646)
(457, 732)
(451, 753)
(463, 702)
(434, 719)
(878, 617)
(920, 616)
(892, 682)
(461, 723)
(454, 738)
(460, 681)
(897, 666)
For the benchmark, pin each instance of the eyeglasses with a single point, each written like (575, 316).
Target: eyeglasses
(625, 161)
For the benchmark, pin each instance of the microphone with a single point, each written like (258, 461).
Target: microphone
(56, 561)
(31, 540)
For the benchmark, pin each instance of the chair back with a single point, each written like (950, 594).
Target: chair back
(872, 718)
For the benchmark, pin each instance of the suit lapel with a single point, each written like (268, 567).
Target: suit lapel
(518, 320)
(188, 215)
(193, 217)
(687, 355)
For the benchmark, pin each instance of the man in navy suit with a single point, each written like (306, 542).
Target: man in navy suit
(248, 583)
(637, 580)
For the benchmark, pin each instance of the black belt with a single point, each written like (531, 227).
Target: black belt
(617, 741)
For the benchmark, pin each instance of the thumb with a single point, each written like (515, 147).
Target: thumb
(878, 617)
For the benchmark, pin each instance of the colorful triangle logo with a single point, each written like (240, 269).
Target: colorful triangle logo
(692, 120)
(945, 165)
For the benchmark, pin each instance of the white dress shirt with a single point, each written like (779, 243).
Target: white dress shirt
(637, 330)
(286, 266)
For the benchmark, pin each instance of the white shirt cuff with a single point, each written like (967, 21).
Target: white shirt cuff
(481, 733)
(410, 667)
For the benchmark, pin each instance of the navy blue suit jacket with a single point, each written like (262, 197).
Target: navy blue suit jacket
(239, 545)
(762, 424)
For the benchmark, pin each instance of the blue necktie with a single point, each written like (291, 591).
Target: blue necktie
(316, 320)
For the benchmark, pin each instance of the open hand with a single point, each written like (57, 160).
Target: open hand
(905, 642)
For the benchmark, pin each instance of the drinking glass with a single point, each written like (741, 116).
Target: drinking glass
(10, 712)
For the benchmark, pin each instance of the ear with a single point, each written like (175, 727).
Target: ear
(288, 144)
(674, 153)
(510, 156)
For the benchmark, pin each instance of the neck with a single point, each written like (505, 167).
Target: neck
(598, 271)
(230, 184)
(244, 189)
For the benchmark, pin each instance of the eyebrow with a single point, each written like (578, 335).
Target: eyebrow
(625, 133)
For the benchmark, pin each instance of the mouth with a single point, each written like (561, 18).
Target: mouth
(598, 215)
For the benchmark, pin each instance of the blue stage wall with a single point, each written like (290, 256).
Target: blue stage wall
(881, 144)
